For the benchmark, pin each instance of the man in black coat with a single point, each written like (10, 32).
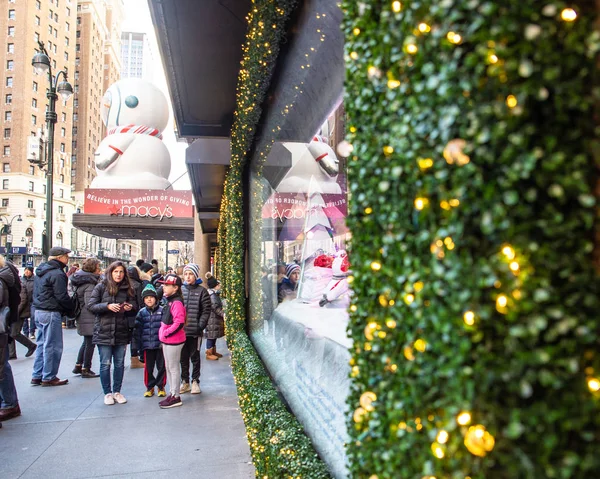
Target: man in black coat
(51, 301)
(9, 297)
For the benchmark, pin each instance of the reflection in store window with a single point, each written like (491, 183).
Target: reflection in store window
(299, 317)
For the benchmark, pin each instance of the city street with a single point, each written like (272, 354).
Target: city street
(68, 432)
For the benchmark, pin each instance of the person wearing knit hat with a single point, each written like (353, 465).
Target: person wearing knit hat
(216, 325)
(198, 306)
(289, 286)
(147, 344)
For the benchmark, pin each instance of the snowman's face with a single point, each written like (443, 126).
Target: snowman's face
(134, 102)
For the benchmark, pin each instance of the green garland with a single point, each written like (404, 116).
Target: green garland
(475, 314)
(278, 444)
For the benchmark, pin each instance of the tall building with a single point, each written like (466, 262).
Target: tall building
(137, 57)
(98, 65)
(23, 105)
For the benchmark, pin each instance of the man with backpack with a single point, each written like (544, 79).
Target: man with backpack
(51, 301)
(10, 289)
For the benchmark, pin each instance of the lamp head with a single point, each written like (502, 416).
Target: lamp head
(65, 90)
(41, 63)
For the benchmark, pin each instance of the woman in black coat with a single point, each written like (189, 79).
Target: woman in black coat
(82, 284)
(114, 304)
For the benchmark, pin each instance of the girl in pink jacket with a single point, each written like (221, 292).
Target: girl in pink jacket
(172, 337)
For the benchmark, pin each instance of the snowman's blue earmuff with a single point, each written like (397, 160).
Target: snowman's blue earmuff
(132, 101)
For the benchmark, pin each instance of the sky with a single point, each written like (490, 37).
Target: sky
(137, 19)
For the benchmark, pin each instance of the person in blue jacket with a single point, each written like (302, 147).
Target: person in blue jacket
(147, 344)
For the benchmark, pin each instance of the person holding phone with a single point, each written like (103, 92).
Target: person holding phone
(115, 305)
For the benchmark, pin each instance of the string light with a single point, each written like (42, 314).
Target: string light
(411, 48)
(442, 437)
(420, 345)
(464, 418)
(424, 28)
(492, 58)
(388, 150)
(593, 384)
(509, 252)
(425, 163)
(501, 301)
(514, 266)
(478, 441)
(354, 55)
(368, 210)
(469, 318)
(396, 7)
(375, 266)
(409, 298)
(366, 400)
(356, 31)
(421, 203)
(408, 353)
(511, 101)
(568, 15)
(454, 37)
(392, 84)
(437, 450)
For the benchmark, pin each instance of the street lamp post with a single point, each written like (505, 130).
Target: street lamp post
(41, 64)
(7, 229)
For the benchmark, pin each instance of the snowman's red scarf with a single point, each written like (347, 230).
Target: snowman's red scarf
(136, 129)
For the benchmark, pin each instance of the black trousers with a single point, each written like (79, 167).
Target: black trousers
(17, 335)
(86, 353)
(152, 358)
(191, 351)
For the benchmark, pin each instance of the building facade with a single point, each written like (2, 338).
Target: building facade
(23, 105)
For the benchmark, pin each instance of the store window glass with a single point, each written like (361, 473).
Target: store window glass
(299, 282)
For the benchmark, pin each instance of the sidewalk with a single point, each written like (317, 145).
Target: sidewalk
(68, 432)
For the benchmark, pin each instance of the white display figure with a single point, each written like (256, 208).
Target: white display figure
(133, 155)
(313, 161)
(336, 289)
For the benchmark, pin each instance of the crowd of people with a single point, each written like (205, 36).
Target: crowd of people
(162, 318)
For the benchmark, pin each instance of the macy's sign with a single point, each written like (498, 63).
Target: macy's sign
(145, 212)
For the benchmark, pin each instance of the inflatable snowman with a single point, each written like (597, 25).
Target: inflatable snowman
(314, 161)
(133, 155)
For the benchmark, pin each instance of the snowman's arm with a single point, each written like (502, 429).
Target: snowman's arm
(110, 149)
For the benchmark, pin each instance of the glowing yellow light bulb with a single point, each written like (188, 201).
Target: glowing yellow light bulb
(418, 286)
(390, 323)
(437, 450)
(356, 31)
(396, 7)
(511, 101)
(501, 301)
(353, 308)
(454, 37)
(368, 210)
(424, 28)
(392, 84)
(420, 345)
(421, 203)
(454, 202)
(479, 441)
(508, 252)
(492, 58)
(442, 437)
(409, 298)
(411, 48)
(568, 15)
(388, 150)
(352, 129)
(445, 205)
(358, 414)
(469, 318)
(593, 384)
(375, 266)
(366, 400)
(514, 266)
(354, 55)
(425, 163)
(408, 353)
(463, 418)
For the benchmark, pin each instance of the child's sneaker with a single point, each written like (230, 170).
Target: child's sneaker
(196, 387)
(109, 400)
(149, 393)
(161, 393)
(165, 401)
(119, 398)
(170, 402)
(185, 387)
